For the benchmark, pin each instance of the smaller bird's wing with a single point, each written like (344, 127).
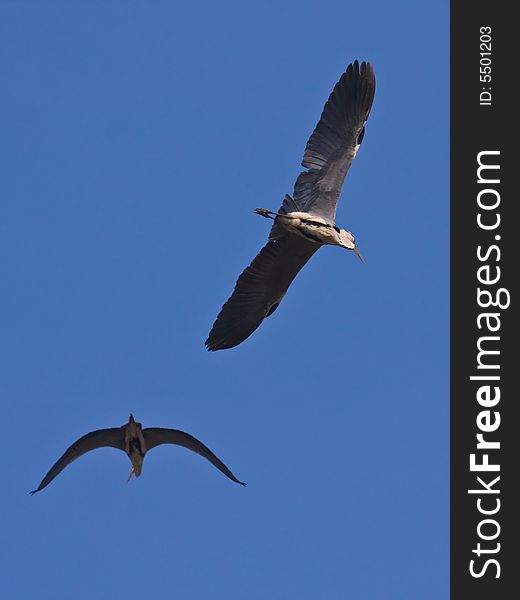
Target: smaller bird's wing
(335, 141)
(259, 290)
(113, 437)
(155, 436)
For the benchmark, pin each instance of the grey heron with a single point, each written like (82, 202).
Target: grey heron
(136, 442)
(306, 221)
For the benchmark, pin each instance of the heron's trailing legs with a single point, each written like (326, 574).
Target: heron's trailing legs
(132, 471)
(263, 212)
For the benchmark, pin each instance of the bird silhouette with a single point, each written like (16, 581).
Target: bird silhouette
(306, 221)
(136, 442)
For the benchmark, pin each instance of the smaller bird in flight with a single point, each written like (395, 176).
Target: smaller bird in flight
(135, 441)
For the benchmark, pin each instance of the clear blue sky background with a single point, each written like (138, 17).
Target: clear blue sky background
(136, 140)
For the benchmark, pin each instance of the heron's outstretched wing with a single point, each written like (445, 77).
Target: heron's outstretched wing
(155, 436)
(114, 437)
(259, 290)
(335, 141)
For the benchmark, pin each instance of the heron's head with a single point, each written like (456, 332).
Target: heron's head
(346, 240)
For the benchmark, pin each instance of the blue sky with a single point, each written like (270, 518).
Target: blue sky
(137, 139)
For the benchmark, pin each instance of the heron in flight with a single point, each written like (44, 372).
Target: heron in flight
(306, 221)
(135, 441)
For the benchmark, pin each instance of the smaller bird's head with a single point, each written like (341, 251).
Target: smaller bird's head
(137, 464)
(346, 240)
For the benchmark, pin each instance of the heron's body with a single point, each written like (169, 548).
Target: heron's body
(307, 220)
(312, 228)
(135, 441)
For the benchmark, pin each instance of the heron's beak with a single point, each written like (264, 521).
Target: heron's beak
(359, 255)
(132, 471)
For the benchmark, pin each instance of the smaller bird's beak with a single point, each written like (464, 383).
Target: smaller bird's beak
(359, 255)
(132, 471)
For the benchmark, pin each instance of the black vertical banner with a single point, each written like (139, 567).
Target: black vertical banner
(485, 257)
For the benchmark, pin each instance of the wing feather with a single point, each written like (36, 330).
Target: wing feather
(335, 141)
(155, 436)
(259, 290)
(113, 437)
